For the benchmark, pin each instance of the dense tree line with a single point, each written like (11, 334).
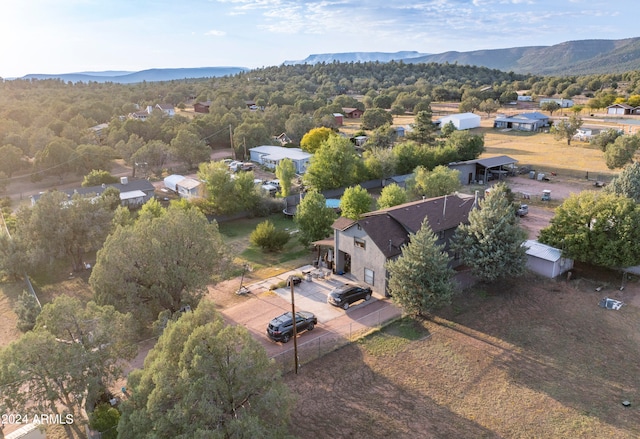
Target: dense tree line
(45, 124)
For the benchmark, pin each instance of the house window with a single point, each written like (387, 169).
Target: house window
(368, 276)
(359, 242)
(441, 234)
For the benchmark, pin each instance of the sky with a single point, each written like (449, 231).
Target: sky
(66, 36)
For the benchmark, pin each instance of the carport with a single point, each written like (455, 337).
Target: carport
(496, 165)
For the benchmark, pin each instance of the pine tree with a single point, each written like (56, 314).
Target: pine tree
(420, 279)
(491, 244)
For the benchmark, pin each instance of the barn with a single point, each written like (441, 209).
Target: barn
(462, 121)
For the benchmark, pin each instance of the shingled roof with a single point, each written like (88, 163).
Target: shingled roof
(390, 228)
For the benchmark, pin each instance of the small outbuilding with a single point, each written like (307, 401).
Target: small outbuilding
(270, 156)
(462, 121)
(545, 260)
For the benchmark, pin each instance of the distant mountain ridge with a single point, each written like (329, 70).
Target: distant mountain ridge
(348, 57)
(580, 57)
(569, 58)
(150, 75)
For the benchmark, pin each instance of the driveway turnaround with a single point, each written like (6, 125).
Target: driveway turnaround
(264, 303)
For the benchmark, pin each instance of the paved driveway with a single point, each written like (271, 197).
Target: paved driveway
(263, 304)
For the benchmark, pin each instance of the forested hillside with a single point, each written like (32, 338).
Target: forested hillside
(45, 124)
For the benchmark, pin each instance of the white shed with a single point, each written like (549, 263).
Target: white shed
(462, 121)
(172, 181)
(546, 260)
(270, 156)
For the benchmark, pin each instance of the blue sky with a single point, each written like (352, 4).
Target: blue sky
(63, 36)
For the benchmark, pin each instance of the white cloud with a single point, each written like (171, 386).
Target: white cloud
(215, 33)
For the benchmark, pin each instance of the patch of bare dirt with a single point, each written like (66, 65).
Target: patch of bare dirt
(529, 358)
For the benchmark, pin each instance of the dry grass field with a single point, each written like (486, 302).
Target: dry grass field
(531, 359)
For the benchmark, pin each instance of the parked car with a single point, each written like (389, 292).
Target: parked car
(281, 328)
(347, 294)
(522, 210)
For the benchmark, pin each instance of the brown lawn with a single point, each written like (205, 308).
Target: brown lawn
(532, 359)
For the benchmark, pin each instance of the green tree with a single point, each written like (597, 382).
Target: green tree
(491, 244)
(297, 125)
(423, 128)
(312, 140)
(355, 201)
(11, 159)
(59, 227)
(314, 218)
(27, 310)
(605, 138)
(55, 158)
(420, 278)
(621, 151)
(104, 419)
(469, 146)
(627, 183)
(379, 162)
(285, 173)
(596, 227)
(441, 181)
(220, 187)
(382, 137)
(158, 263)
(97, 177)
(206, 379)
(375, 117)
(268, 238)
(154, 154)
(567, 128)
(392, 195)
(469, 104)
(550, 106)
(250, 134)
(489, 106)
(448, 129)
(188, 148)
(72, 355)
(334, 165)
(88, 157)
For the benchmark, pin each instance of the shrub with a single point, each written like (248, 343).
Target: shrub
(268, 238)
(27, 310)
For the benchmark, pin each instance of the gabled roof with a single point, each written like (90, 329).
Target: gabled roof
(460, 116)
(189, 183)
(390, 228)
(523, 117)
(625, 106)
(131, 186)
(278, 152)
(542, 251)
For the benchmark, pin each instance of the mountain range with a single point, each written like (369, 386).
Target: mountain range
(582, 57)
(150, 75)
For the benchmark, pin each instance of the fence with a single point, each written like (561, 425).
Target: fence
(335, 338)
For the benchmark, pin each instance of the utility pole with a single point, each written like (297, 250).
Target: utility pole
(233, 151)
(295, 326)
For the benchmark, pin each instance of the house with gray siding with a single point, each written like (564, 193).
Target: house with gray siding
(533, 121)
(363, 247)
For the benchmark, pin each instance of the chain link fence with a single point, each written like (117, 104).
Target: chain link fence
(335, 338)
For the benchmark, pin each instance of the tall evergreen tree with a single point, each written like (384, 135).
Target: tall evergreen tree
(420, 278)
(491, 244)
